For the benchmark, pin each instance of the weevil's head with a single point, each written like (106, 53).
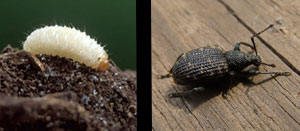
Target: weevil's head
(238, 60)
(255, 60)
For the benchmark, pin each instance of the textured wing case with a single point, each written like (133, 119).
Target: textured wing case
(202, 65)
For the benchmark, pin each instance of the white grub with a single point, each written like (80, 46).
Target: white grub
(67, 42)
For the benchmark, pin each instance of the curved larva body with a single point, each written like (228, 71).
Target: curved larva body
(67, 42)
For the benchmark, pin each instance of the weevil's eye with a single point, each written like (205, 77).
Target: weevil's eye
(257, 61)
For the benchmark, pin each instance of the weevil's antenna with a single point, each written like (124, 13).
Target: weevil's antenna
(257, 34)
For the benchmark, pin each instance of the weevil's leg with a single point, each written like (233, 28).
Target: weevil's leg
(180, 56)
(164, 76)
(256, 72)
(189, 92)
(237, 45)
(169, 74)
(227, 87)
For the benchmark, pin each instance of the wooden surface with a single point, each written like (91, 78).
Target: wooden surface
(181, 25)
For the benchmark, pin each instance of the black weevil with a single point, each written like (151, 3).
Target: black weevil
(203, 66)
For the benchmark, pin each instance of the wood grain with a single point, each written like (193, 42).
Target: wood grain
(181, 25)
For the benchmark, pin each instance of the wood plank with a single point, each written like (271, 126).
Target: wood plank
(179, 26)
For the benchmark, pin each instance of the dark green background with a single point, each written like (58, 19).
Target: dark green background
(111, 22)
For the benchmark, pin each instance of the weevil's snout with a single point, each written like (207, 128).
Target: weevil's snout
(256, 60)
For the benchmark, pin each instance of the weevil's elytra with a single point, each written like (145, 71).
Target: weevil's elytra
(203, 66)
(206, 62)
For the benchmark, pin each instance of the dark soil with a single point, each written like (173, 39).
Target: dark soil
(51, 93)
